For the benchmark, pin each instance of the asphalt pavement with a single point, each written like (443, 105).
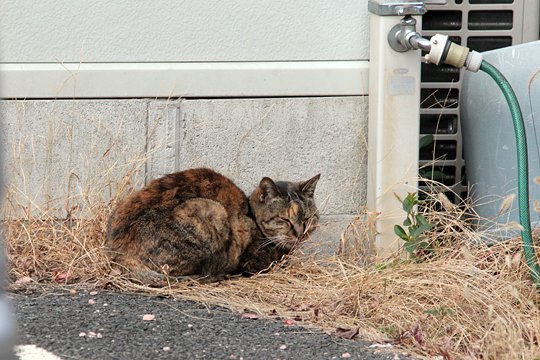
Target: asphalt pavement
(108, 325)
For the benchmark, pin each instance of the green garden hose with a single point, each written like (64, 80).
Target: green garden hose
(523, 168)
(442, 50)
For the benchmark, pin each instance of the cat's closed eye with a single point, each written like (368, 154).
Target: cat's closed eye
(278, 223)
(284, 223)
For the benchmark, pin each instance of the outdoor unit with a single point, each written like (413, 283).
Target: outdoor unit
(481, 25)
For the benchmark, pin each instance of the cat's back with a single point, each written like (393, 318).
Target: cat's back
(174, 189)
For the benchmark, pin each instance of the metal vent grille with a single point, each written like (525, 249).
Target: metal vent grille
(481, 25)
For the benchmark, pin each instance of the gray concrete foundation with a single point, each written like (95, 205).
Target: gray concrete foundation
(63, 156)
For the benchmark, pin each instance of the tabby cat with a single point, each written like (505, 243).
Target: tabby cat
(198, 223)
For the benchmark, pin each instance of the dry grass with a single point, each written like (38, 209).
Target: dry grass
(466, 301)
(49, 248)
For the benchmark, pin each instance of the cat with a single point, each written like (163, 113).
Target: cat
(197, 223)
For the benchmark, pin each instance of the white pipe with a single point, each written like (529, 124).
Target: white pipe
(394, 102)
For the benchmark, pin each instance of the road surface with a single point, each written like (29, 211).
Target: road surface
(106, 325)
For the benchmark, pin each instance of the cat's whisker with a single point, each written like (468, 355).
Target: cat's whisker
(265, 243)
(274, 240)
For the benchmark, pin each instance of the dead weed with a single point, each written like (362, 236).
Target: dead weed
(466, 301)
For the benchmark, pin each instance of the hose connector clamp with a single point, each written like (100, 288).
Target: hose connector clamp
(445, 51)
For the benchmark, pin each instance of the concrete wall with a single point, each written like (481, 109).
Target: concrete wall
(66, 153)
(63, 154)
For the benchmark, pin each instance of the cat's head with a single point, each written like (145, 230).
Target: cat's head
(285, 211)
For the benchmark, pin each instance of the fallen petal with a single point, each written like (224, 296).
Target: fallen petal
(288, 322)
(346, 355)
(417, 334)
(149, 317)
(23, 280)
(61, 277)
(91, 302)
(250, 316)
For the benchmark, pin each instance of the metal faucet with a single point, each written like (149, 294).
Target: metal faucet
(403, 36)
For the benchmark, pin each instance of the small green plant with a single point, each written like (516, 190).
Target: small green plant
(429, 172)
(425, 141)
(389, 330)
(441, 311)
(414, 226)
(440, 316)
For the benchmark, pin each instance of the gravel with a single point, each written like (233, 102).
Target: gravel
(106, 325)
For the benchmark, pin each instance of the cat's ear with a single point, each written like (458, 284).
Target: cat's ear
(308, 187)
(269, 190)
